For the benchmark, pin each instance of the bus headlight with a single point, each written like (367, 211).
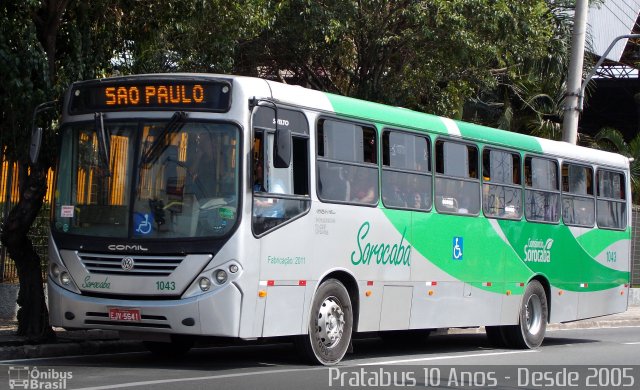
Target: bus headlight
(65, 278)
(55, 270)
(204, 283)
(233, 268)
(221, 276)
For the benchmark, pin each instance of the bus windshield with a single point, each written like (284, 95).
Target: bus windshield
(158, 183)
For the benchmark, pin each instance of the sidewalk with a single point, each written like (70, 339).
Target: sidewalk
(90, 342)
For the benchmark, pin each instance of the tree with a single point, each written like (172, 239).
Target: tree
(187, 36)
(43, 45)
(25, 78)
(431, 56)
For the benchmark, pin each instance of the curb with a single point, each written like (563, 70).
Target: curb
(69, 349)
(582, 324)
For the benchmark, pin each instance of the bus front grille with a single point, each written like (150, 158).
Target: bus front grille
(134, 265)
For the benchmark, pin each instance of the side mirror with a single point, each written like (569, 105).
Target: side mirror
(282, 148)
(37, 132)
(36, 143)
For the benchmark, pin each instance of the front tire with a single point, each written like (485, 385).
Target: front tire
(330, 325)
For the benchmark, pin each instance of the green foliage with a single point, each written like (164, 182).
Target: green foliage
(432, 56)
(186, 36)
(44, 46)
(23, 75)
(496, 62)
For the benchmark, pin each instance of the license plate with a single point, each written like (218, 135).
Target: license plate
(118, 314)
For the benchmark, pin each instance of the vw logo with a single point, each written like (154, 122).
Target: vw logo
(127, 263)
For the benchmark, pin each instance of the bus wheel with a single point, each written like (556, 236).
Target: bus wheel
(330, 325)
(178, 347)
(532, 323)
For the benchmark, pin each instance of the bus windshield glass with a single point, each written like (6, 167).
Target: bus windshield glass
(159, 184)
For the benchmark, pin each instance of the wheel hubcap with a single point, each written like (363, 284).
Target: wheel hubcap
(533, 314)
(330, 322)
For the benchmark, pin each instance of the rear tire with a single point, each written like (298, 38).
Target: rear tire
(330, 325)
(532, 323)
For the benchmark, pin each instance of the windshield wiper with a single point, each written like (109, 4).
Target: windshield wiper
(161, 142)
(104, 142)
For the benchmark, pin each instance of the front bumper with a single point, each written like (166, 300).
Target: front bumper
(216, 313)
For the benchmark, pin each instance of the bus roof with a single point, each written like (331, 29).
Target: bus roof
(404, 118)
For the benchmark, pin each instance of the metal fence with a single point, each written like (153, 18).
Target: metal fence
(635, 247)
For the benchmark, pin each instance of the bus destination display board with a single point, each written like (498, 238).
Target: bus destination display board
(151, 95)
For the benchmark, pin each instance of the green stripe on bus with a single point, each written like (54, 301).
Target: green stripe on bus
(488, 258)
(499, 137)
(375, 112)
(354, 108)
(596, 241)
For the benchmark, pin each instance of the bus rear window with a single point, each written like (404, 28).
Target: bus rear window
(611, 209)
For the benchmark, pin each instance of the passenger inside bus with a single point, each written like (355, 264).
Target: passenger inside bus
(201, 168)
(395, 197)
(258, 174)
(363, 189)
(417, 201)
(263, 206)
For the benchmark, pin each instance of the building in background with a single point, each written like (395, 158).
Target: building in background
(613, 96)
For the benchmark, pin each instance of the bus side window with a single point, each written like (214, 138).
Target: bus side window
(501, 188)
(457, 185)
(406, 171)
(279, 194)
(578, 204)
(347, 163)
(542, 192)
(611, 209)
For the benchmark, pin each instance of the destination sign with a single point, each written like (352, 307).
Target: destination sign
(162, 95)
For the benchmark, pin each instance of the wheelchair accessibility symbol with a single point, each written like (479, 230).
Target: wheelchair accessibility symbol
(458, 247)
(143, 224)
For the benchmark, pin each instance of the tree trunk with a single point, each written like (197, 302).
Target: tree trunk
(33, 316)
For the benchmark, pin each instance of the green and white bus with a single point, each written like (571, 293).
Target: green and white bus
(192, 205)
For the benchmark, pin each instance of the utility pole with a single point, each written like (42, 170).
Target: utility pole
(574, 81)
